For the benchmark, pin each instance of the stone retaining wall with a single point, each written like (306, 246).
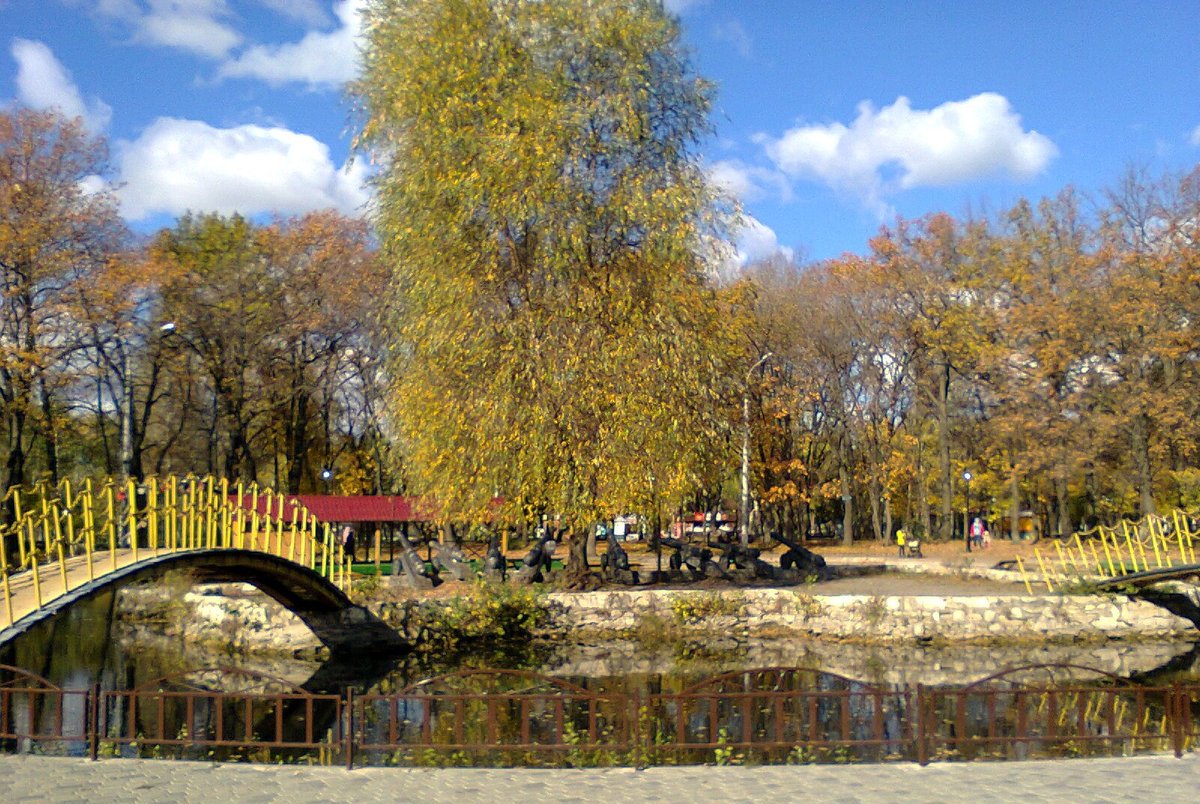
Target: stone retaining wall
(867, 618)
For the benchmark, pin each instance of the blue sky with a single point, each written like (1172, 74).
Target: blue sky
(831, 117)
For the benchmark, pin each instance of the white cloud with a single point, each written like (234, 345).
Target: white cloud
(180, 165)
(44, 83)
(747, 182)
(680, 6)
(191, 25)
(899, 147)
(1195, 138)
(197, 26)
(753, 241)
(757, 241)
(320, 59)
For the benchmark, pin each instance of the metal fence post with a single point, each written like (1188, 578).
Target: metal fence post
(349, 736)
(922, 743)
(1175, 718)
(94, 724)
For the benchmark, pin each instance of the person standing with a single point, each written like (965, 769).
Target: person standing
(901, 539)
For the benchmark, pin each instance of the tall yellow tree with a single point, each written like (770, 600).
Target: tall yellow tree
(53, 233)
(547, 223)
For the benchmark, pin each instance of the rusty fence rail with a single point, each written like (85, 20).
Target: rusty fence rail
(503, 718)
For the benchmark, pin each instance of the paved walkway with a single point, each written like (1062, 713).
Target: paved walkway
(1162, 779)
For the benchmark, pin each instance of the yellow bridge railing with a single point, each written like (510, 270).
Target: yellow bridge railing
(58, 538)
(1153, 542)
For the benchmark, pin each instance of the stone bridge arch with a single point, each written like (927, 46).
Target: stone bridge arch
(341, 625)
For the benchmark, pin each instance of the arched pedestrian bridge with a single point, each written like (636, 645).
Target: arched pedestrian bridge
(68, 547)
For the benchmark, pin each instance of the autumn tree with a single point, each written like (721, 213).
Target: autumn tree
(322, 366)
(543, 211)
(58, 224)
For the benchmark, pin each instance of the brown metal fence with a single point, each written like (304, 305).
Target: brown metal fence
(504, 717)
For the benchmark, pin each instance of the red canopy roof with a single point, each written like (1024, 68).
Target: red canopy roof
(359, 508)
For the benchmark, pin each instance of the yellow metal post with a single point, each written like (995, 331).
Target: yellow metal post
(1141, 544)
(226, 516)
(1158, 562)
(378, 549)
(253, 515)
(4, 574)
(292, 535)
(1042, 566)
(327, 553)
(1112, 569)
(152, 514)
(1129, 544)
(1062, 561)
(1096, 555)
(210, 521)
(240, 516)
(110, 524)
(131, 501)
(279, 518)
(37, 581)
(268, 494)
(89, 529)
(58, 545)
(1024, 577)
(16, 492)
(1183, 547)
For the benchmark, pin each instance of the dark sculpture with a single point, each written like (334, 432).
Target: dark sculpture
(494, 565)
(449, 558)
(799, 558)
(537, 562)
(409, 568)
(746, 560)
(697, 561)
(614, 564)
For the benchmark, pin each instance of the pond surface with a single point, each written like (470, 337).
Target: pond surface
(614, 703)
(89, 644)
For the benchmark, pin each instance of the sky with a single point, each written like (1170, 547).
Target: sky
(831, 118)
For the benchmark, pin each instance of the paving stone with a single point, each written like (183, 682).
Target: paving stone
(37, 779)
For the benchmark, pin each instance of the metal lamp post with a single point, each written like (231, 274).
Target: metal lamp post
(967, 516)
(326, 475)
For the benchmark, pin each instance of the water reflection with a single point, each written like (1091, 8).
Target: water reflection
(625, 703)
(89, 645)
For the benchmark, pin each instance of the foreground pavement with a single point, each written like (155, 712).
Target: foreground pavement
(1140, 779)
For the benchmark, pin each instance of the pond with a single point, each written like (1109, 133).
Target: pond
(620, 702)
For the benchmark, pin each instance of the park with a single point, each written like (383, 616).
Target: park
(525, 463)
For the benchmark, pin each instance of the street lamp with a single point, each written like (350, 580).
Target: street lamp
(967, 516)
(744, 508)
(327, 475)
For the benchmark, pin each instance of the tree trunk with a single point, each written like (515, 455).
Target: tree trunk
(1140, 437)
(847, 508)
(49, 431)
(1014, 504)
(923, 497)
(946, 525)
(1061, 494)
(876, 521)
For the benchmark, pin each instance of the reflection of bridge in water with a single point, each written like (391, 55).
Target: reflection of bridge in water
(63, 547)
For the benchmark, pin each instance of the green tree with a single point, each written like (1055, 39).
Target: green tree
(543, 210)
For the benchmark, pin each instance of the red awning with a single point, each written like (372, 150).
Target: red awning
(338, 508)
